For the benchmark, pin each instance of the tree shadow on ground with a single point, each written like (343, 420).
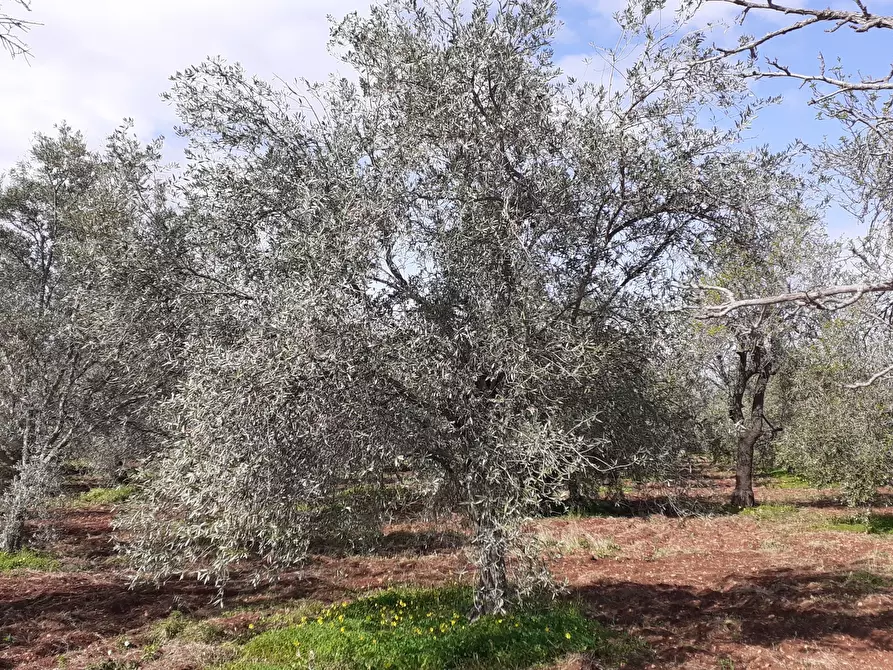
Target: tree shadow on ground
(43, 615)
(669, 506)
(692, 504)
(764, 609)
(419, 543)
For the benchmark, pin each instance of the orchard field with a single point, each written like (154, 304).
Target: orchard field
(793, 583)
(446, 334)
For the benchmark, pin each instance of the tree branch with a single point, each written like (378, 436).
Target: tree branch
(828, 298)
(880, 374)
(859, 21)
(10, 30)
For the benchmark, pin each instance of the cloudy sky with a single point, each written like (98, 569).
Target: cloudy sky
(96, 62)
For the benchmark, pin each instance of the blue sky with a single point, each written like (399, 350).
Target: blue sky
(98, 61)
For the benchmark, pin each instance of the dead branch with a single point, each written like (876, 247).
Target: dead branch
(860, 21)
(11, 30)
(827, 298)
(880, 374)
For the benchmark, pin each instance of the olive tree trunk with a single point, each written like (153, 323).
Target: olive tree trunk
(754, 363)
(13, 521)
(491, 589)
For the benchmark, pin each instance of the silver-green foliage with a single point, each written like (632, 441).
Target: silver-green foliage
(85, 332)
(415, 268)
(841, 435)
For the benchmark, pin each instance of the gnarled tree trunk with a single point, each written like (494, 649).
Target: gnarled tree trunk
(754, 362)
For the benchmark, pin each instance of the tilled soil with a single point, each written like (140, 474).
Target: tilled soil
(720, 591)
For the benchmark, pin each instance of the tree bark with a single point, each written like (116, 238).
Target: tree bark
(491, 591)
(13, 531)
(743, 495)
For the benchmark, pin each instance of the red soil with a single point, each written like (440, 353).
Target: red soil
(705, 592)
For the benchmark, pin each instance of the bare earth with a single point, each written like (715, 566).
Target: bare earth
(725, 591)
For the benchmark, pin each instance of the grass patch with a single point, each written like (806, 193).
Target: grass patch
(782, 479)
(770, 512)
(178, 626)
(102, 496)
(864, 582)
(428, 629)
(875, 524)
(26, 560)
(603, 548)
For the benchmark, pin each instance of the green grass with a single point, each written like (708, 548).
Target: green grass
(782, 479)
(26, 560)
(875, 524)
(429, 629)
(103, 496)
(770, 512)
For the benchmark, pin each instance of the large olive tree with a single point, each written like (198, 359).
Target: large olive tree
(420, 266)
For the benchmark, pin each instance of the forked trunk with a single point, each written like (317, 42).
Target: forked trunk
(742, 496)
(760, 365)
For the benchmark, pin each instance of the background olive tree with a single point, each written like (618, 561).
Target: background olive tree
(840, 435)
(85, 336)
(747, 350)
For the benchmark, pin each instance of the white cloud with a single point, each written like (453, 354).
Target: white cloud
(96, 62)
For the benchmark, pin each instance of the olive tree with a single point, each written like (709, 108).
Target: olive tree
(748, 349)
(838, 434)
(85, 342)
(420, 267)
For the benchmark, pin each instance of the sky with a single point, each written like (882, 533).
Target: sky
(96, 62)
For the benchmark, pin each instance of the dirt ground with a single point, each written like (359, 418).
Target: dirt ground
(770, 590)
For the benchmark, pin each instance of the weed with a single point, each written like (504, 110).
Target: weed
(111, 664)
(179, 626)
(782, 479)
(770, 512)
(419, 629)
(101, 496)
(602, 548)
(771, 546)
(876, 524)
(26, 560)
(151, 651)
(864, 582)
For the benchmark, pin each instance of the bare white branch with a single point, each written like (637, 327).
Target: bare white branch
(827, 298)
(880, 374)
